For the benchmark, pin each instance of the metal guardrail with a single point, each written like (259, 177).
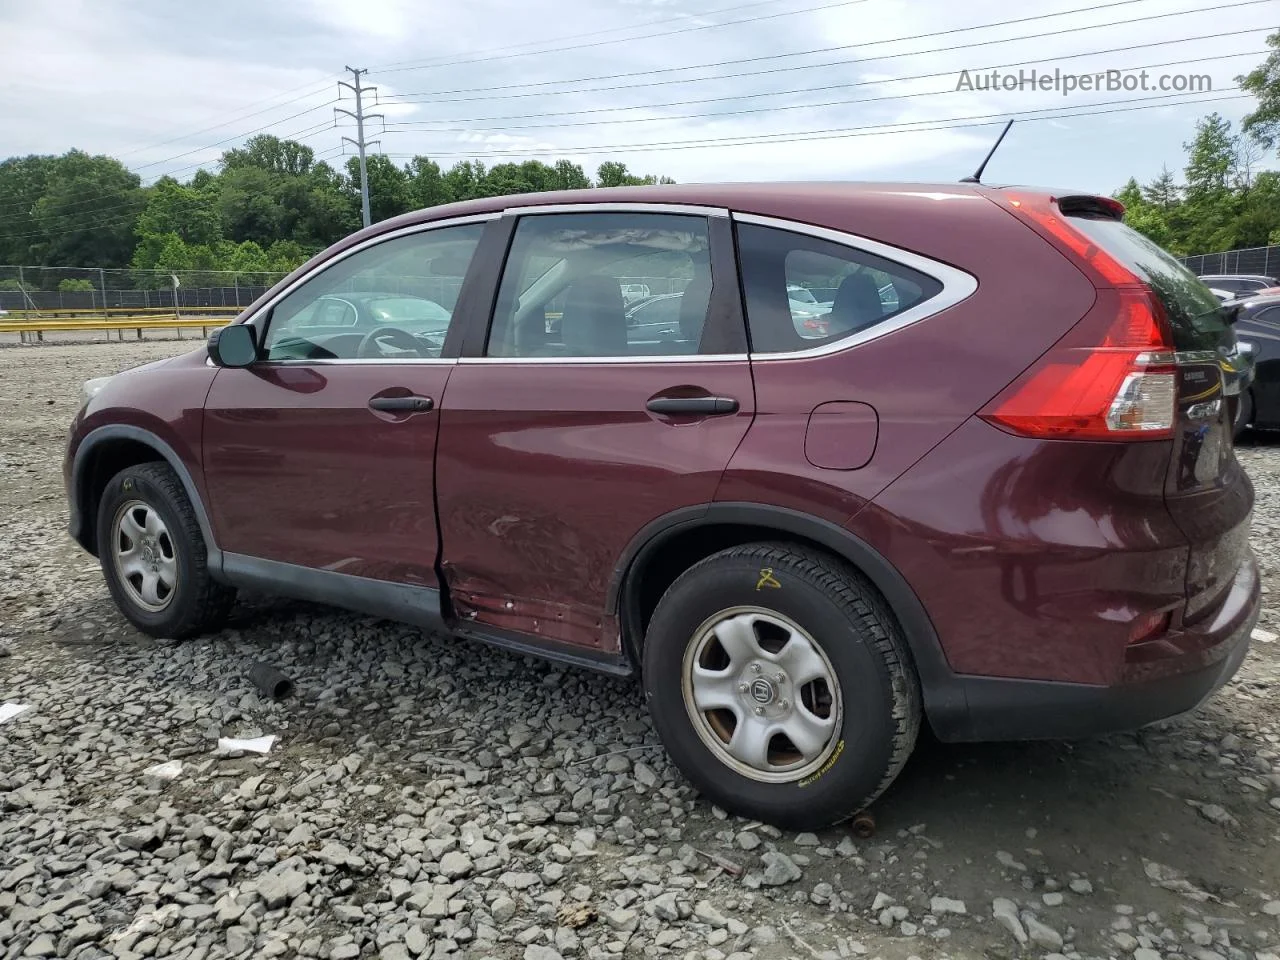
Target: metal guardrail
(37, 328)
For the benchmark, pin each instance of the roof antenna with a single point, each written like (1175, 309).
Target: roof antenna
(977, 174)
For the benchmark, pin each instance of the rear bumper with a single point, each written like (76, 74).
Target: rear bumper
(995, 708)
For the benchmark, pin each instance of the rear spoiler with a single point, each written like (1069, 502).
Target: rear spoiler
(1107, 207)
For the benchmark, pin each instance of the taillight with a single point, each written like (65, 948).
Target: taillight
(1148, 626)
(1112, 377)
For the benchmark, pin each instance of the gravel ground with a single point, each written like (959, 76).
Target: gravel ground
(429, 798)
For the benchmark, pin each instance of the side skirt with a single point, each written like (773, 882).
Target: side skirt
(403, 603)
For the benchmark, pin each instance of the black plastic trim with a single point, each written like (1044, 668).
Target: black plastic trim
(402, 602)
(999, 708)
(615, 665)
(119, 431)
(944, 694)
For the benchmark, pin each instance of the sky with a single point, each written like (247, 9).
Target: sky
(699, 90)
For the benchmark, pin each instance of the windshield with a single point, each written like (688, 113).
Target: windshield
(801, 294)
(1195, 313)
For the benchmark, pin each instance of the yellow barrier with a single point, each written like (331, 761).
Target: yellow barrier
(139, 324)
(136, 311)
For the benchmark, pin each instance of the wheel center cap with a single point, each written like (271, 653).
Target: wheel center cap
(762, 691)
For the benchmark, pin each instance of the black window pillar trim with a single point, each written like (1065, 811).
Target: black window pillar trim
(480, 292)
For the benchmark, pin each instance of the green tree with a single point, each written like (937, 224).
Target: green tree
(272, 154)
(1263, 124)
(427, 187)
(85, 214)
(389, 194)
(1163, 191)
(463, 179)
(187, 211)
(75, 285)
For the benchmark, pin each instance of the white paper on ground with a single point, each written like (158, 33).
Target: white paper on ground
(255, 745)
(164, 771)
(10, 710)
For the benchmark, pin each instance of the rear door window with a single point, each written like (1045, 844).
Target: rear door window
(1196, 315)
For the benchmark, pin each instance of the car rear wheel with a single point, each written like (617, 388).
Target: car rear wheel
(781, 685)
(154, 557)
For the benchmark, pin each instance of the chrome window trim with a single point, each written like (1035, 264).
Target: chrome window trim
(635, 358)
(358, 361)
(589, 206)
(365, 245)
(957, 285)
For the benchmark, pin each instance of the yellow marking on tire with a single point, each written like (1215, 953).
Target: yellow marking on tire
(826, 767)
(767, 579)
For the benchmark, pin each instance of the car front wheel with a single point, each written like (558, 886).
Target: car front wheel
(781, 685)
(154, 557)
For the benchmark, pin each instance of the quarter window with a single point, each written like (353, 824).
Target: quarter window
(393, 300)
(804, 292)
(1269, 316)
(603, 285)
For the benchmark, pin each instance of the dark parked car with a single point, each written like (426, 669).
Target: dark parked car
(1258, 325)
(1239, 284)
(1004, 502)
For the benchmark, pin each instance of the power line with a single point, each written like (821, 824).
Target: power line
(648, 36)
(312, 87)
(832, 133)
(444, 62)
(435, 96)
(773, 108)
(843, 85)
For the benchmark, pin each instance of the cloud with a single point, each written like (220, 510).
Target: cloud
(125, 76)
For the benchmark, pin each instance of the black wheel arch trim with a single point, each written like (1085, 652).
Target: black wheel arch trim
(121, 431)
(943, 690)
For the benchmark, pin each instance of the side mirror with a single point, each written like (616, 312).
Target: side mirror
(235, 345)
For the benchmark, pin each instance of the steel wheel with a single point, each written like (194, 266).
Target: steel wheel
(762, 695)
(144, 556)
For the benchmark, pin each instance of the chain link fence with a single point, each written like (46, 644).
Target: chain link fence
(86, 291)
(1260, 260)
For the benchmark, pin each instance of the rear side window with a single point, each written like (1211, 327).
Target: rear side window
(1195, 313)
(804, 292)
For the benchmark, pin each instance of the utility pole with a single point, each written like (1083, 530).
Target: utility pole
(359, 116)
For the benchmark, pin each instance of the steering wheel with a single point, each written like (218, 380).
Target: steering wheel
(371, 346)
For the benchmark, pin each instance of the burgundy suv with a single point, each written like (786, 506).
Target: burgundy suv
(993, 488)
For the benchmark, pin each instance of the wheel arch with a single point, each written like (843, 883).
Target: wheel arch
(673, 543)
(106, 451)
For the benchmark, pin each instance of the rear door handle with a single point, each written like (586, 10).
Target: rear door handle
(703, 406)
(402, 404)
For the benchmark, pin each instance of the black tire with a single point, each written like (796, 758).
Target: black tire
(1244, 413)
(863, 645)
(196, 604)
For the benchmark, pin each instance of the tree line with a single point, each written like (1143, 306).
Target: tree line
(269, 205)
(1224, 201)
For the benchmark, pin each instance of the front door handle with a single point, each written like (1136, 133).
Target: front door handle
(402, 404)
(699, 406)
